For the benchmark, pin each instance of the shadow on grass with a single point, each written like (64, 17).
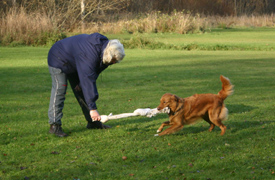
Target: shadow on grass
(232, 128)
(239, 108)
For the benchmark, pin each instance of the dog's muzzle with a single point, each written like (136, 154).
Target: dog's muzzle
(164, 110)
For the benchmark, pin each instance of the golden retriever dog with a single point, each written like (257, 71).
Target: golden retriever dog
(183, 111)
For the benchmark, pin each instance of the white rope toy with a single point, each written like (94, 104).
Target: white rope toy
(138, 112)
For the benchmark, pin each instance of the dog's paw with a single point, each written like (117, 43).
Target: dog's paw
(158, 131)
(156, 135)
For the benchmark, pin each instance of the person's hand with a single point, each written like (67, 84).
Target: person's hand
(95, 115)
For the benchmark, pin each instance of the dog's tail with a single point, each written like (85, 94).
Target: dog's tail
(227, 88)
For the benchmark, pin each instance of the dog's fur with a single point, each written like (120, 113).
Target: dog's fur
(183, 111)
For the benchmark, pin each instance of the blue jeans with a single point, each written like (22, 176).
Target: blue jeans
(58, 92)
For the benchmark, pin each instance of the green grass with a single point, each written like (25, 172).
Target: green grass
(216, 39)
(246, 151)
(246, 38)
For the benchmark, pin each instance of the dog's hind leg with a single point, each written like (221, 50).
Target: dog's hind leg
(214, 118)
(206, 118)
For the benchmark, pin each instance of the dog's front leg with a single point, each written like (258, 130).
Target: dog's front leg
(166, 123)
(174, 128)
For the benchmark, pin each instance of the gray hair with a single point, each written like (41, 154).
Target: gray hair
(114, 49)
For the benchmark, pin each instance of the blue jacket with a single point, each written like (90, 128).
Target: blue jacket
(82, 54)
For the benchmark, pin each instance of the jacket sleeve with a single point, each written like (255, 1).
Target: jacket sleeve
(87, 72)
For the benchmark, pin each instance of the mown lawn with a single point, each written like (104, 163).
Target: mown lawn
(216, 39)
(246, 151)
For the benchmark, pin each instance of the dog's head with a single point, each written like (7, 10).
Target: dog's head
(169, 100)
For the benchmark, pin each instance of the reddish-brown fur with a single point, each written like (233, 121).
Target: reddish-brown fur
(183, 111)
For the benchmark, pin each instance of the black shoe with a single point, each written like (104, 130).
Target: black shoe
(57, 130)
(97, 125)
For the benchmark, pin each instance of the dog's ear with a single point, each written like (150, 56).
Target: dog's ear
(175, 98)
(173, 102)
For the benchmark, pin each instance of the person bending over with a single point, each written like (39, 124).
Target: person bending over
(79, 59)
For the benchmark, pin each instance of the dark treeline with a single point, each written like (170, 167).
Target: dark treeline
(207, 7)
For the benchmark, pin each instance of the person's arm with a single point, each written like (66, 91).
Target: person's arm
(87, 73)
